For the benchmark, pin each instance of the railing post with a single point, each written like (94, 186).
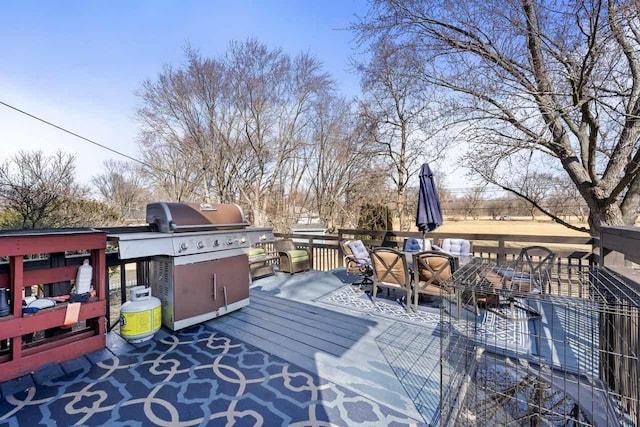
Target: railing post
(340, 254)
(501, 255)
(310, 245)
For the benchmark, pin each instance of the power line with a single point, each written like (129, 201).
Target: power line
(74, 134)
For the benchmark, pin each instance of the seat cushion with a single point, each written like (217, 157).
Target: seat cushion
(360, 252)
(254, 252)
(298, 255)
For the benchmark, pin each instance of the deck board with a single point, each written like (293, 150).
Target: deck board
(267, 344)
(296, 325)
(340, 324)
(283, 336)
(291, 331)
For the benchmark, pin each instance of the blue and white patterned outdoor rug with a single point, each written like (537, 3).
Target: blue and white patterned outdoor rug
(392, 307)
(194, 377)
(498, 331)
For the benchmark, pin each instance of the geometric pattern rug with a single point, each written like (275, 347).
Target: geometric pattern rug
(391, 307)
(497, 330)
(197, 376)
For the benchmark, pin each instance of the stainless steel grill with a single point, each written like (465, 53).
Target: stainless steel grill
(199, 265)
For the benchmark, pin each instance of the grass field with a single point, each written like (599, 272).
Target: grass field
(515, 226)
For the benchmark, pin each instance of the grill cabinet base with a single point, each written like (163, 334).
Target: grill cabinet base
(193, 290)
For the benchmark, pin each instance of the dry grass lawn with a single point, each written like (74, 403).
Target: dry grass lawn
(540, 227)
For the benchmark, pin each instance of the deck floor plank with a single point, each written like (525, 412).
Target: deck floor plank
(296, 325)
(351, 326)
(309, 311)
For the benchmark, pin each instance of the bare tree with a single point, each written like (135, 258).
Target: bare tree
(184, 115)
(472, 200)
(558, 83)
(272, 93)
(335, 159)
(40, 191)
(173, 172)
(395, 109)
(536, 188)
(233, 127)
(123, 187)
(565, 201)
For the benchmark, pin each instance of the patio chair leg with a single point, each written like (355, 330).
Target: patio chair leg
(373, 293)
(475, 304)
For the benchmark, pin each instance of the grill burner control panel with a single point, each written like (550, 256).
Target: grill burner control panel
(138, 245)
(187, 245)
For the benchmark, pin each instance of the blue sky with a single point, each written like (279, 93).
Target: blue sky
(78, 63)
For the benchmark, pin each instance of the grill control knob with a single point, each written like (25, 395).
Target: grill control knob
(183, 246)
(200, 244)
(243, 239)
(216, 243)
(229, 241)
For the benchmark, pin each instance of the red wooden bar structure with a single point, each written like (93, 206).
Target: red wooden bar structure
(21, 355)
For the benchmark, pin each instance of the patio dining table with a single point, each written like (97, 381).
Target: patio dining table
(475, 278)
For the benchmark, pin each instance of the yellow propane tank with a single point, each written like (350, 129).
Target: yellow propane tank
(140, 317)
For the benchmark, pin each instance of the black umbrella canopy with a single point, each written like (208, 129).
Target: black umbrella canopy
(429, 214)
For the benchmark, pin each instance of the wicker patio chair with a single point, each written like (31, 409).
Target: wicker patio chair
(292, 259)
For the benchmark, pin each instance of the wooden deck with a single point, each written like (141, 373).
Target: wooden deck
(339, 345)
(356, 359)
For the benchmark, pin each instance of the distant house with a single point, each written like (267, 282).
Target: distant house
(306, 216)
(314, 229)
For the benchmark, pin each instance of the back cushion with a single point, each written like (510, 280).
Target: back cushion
(415, 245)
(436, 263)
(360, 252)
(412, 245)
(381, 263)
(456, 246)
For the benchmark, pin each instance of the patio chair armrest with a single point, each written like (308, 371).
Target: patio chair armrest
(348, 259)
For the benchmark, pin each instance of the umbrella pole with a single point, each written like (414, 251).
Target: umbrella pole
(424, 239)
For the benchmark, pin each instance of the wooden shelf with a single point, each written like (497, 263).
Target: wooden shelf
(47, 318)
(21, 358)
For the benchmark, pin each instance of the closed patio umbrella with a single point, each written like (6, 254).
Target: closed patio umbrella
(429, 213)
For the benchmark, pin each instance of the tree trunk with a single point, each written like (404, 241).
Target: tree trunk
(401, 204)
(600, 216)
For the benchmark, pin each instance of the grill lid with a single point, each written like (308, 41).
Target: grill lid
(179, 217)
